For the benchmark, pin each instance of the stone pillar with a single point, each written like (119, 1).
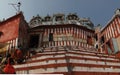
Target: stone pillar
(40, 39)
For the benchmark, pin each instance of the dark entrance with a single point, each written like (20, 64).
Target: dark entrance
(51, 37)
(34, 41)
(102, 39)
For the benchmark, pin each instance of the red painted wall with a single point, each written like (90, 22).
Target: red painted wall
(9, 28)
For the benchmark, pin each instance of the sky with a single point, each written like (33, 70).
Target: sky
(99, 11)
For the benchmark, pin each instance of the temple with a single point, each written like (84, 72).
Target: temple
(58, 31)
(63, 44)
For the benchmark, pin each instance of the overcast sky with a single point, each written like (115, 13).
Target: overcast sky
(99, 11)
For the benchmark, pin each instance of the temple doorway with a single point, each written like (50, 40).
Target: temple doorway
(34, 41)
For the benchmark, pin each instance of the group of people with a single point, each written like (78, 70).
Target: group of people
(7, 62)
(10, 59)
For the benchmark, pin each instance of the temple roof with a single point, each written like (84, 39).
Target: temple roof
(61, 19)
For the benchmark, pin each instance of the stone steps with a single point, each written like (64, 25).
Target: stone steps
(75, 67)
(72, 60)
(73, 53)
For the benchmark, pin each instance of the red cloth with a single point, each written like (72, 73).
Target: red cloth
(9, 69)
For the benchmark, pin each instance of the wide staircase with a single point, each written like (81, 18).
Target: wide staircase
(70, 60)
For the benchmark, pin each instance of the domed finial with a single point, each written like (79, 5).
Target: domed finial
(38, 15)
(117, 11)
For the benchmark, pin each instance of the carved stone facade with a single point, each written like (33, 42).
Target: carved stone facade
(59, 19)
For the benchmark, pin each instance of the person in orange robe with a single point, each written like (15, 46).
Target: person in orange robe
(9, 69)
